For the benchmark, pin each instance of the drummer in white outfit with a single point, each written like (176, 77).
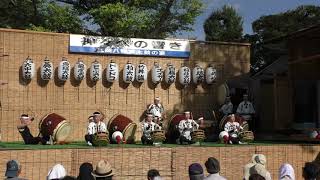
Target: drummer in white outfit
(233, 128)
(157, 110)
(227, 107)
(91, 131)
(246, 110)
(98, 119)
(186, 127)
(147, 128)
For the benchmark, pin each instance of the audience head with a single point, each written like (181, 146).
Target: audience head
(212, 165)
(56, 172)
(69, 178)
(196, 172)
(13, 169)
(85, 171)
(153, 174)
(187, 114)
(259, 158)
(103, 171)
(256, 177)
(311, 171)
(259, 169)
(286, 171)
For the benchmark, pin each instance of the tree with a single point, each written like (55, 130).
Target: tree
(224, 25)
(39, 15)
(139, 18)
(269, 28)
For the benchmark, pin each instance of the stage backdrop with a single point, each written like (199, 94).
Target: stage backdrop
(76, 101)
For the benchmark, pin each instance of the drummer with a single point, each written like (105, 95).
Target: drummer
(246, 110)
(227, 107)
(24, 130)
(147, 128)
(157, 110)
(186, 127)
(233, 128)
(91, 131)
(100, 125)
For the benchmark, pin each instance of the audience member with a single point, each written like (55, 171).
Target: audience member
(311, 171)
(196, 172)
(153, 174)
(13, 170)
(261, 170)
(213, 168)
(255, 159)
(85, 171)
(103, 171)
(56, 172)
(69, 178)
(256, 177)
(286, 172)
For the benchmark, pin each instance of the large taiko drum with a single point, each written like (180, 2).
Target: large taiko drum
(55, 126)
(238, 119)
(124, 125)
(173, 132)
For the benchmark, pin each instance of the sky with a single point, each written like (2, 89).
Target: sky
(250, 10)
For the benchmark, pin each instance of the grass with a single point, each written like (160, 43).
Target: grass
(83, 145)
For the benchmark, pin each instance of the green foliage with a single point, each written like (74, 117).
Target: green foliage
(139, 18)
(224, 25)
(268, 28)
(39, 15)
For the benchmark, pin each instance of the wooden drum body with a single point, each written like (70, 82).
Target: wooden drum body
(56, 126)
(198, 135)
(124, 125)
(101, 139)
(158, 136)
(246, 136)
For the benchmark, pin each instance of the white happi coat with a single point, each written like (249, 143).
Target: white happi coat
(94, 128)
(156, 110)
(148, 128)
(186, 127)
(232, 127)
(227, 108)
(245, 108)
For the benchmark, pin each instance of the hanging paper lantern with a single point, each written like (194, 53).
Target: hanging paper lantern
(170, 74)
(46, 70)
(184, 75)
(64, 70)
(141, 72)
(112, 72)
(28, 69)
(95, 71)
(211, 75)
(80, 70)
(197, 74)
(128, 73)
(156, 73)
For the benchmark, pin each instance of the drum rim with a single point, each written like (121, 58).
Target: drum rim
(127, 127)
(40, 122)
(59, 126)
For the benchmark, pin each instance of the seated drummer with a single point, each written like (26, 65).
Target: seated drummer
(233, 128)
(95, 126)
(147, 128)
(24, 130)
(186, 127)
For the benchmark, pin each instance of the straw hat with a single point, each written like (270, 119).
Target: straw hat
(103, 169)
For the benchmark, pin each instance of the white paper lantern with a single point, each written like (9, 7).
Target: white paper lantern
(141, 72)
(112, 72)
(211, 75)
(170, 74)
(197, 75)
(46, 70)
(80, 70)
(95, 71)
(28, 69)
(128, 73)
(184, 75)
(157, 73)
(64, 70)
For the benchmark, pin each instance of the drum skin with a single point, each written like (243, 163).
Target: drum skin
(124, 125)
(56, 126)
